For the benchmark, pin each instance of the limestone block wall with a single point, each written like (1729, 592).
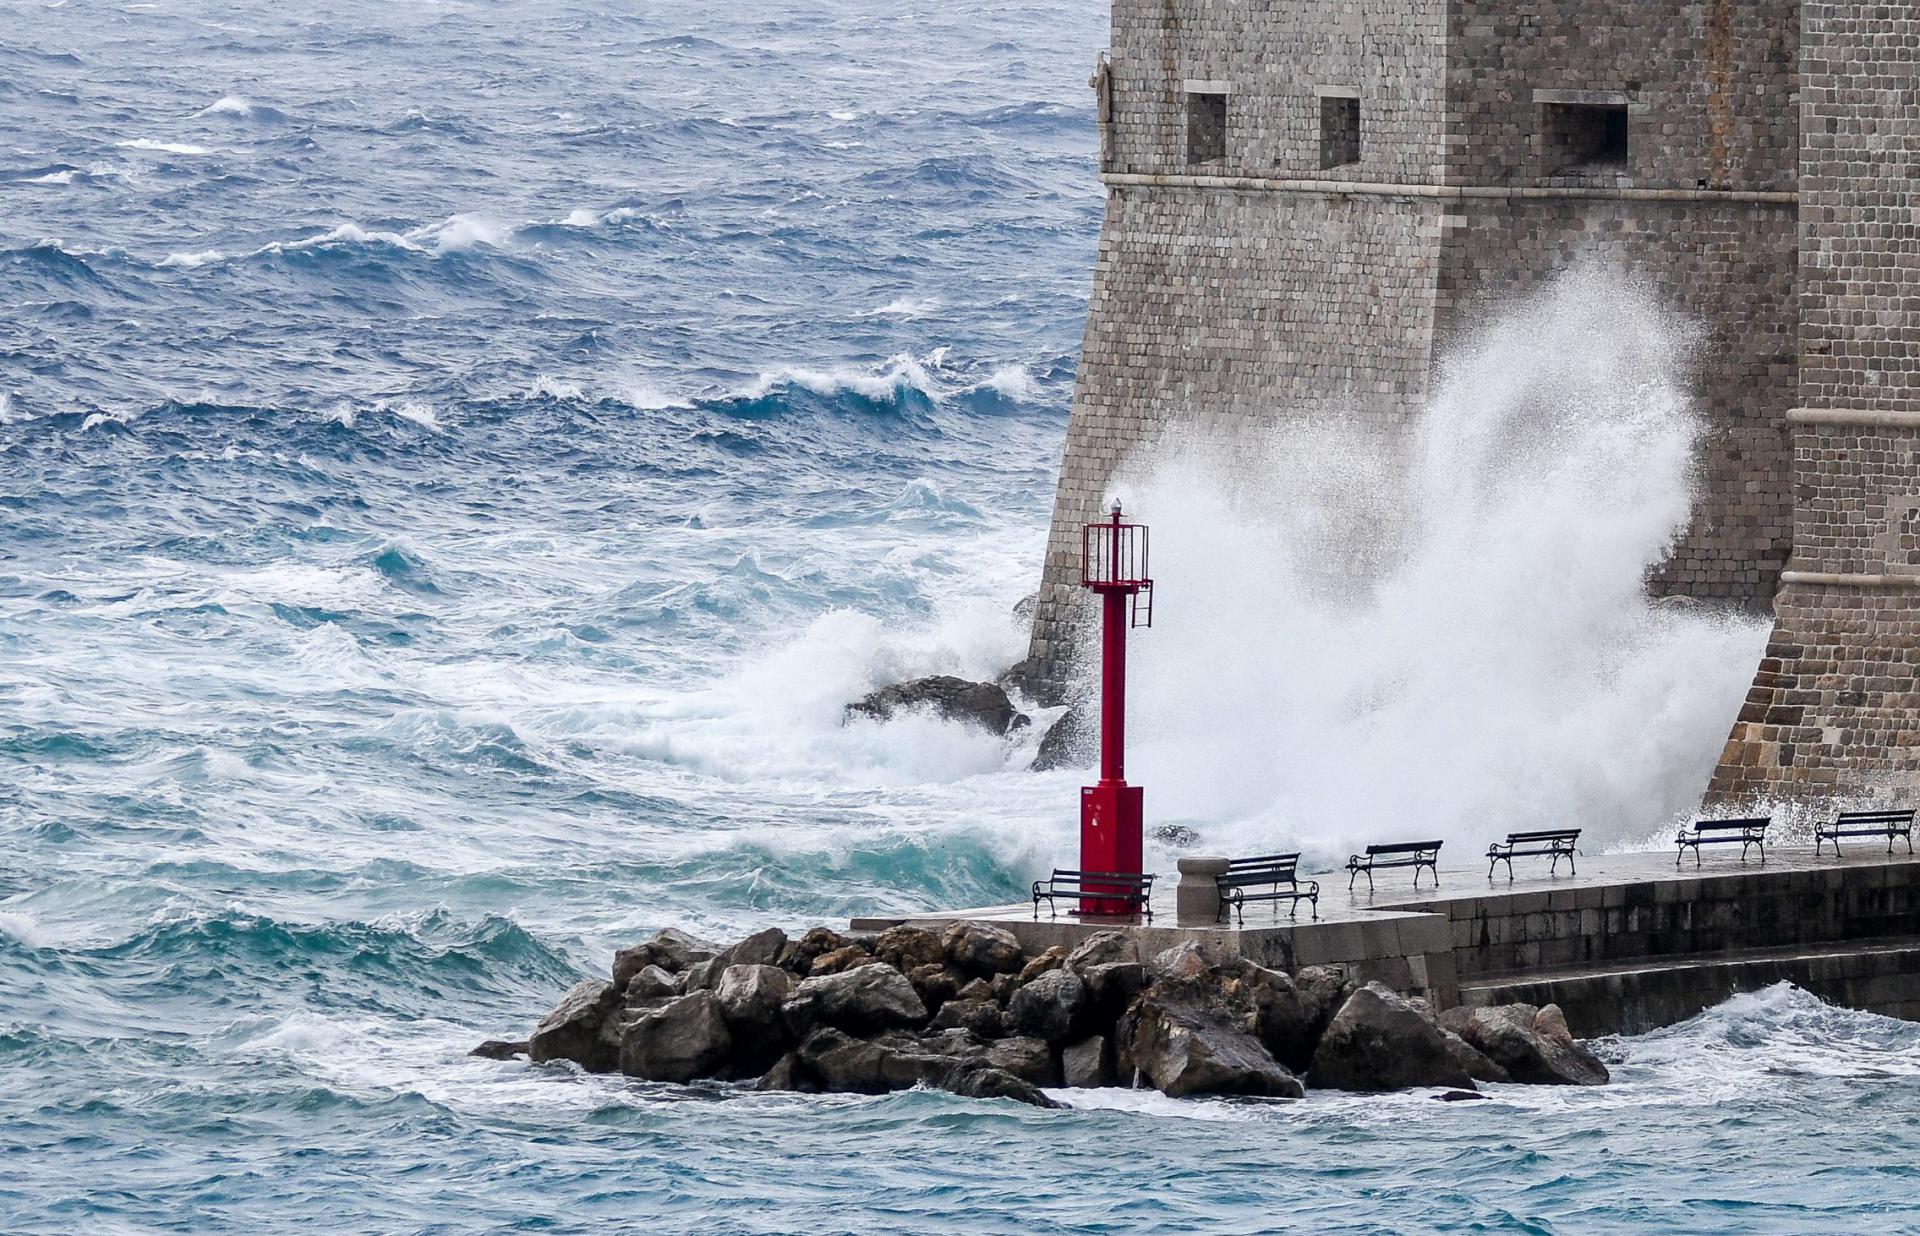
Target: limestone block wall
(1258, 284)
(1835, 709)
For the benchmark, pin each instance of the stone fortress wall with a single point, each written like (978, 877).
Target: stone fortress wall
(1306, 201)
(1835, 709)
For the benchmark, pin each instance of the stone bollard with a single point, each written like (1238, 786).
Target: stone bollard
(1196, 901)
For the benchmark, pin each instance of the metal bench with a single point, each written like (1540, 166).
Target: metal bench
(1749, 831)
(1888, 824)
(1131, 892)
(1414, 854)
(1559, 842)
(1277, 874)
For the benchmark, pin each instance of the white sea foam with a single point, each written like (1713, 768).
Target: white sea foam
(414, 410)
(7, 415)
(231, 105)
(23, 927)
(1013, 382)
(904, 307)
(192, 261)
(177, 148)
(545, 387)
(53, 178)
(1453, 637)
(463, 231)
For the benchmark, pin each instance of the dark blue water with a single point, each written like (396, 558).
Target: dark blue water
(455, 460)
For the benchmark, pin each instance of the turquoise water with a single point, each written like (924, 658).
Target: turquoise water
(455, 461)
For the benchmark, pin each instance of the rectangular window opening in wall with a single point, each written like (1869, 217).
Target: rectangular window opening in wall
(1339, 130)
(1582, 137)
(1206, 126)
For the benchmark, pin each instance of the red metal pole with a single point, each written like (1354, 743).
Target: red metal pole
(1113, 688)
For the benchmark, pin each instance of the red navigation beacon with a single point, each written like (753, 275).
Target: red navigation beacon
(1113, 564)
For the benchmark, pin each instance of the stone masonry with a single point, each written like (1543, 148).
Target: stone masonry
(1281, 281)
(1253, 271)
(1835, 709)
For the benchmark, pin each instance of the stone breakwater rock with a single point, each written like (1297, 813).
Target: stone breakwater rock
(683, 1039)
(967, 1010)
(1531, 1045)
(1382, 1041)
(673, 951)
(572, 1030)
(984, 704)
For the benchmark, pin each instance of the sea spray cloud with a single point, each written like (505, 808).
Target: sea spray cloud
(1361, 641)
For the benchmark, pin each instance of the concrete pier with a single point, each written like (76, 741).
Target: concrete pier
(1628, 944)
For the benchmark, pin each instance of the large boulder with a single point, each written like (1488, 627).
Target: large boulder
(1087, 1064)
(1070, 742)
(1532, 1044)
(895, 1061)
(981, 1018)
(653, 983)
(1038, 965)
(683, 1039)
(762, 948)
(979, 703)
(973, 1080)
(500, 1049)
(1049, 1007)
(905, 947)
(1111, 987)
(861, 1000)
(1382, 1041)
(979, 949)
(1479, 1066)
(572, 1030)
(672, 950)
(818, 942)
(1103, 948)
(750, 997)
(937, 983)
(1287, 1020)
(844, 958)
(1029, 1059)
(1184, 1048)
(1186, 963)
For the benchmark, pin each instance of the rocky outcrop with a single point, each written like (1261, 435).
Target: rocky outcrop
(1069, 742)
(967, 1010)
(572, 1030)
(869, 998)
(500, 1049)
(984, 704)
(683, 1039)
(1184, 1047)
(673, 951)
(1381, 1041)
(1532, 1045)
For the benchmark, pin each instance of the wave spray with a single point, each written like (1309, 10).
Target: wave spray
(1448, 636)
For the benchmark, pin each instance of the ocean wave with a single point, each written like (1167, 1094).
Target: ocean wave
(905, 307)
(160, 147)
(239, 107)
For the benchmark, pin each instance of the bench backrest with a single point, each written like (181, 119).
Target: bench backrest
(1715, 826)
(1874, 817)
(1272, 873)
(1545, 834)
(1103, 879)
(1403, 847)
(1264, 860)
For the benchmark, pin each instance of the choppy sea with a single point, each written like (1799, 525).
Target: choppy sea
(456, 459)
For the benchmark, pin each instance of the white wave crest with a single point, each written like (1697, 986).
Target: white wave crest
(192, 261)
(53, 178)
(545, 387)
(904, 307)
(228, 105)
(176, 148)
